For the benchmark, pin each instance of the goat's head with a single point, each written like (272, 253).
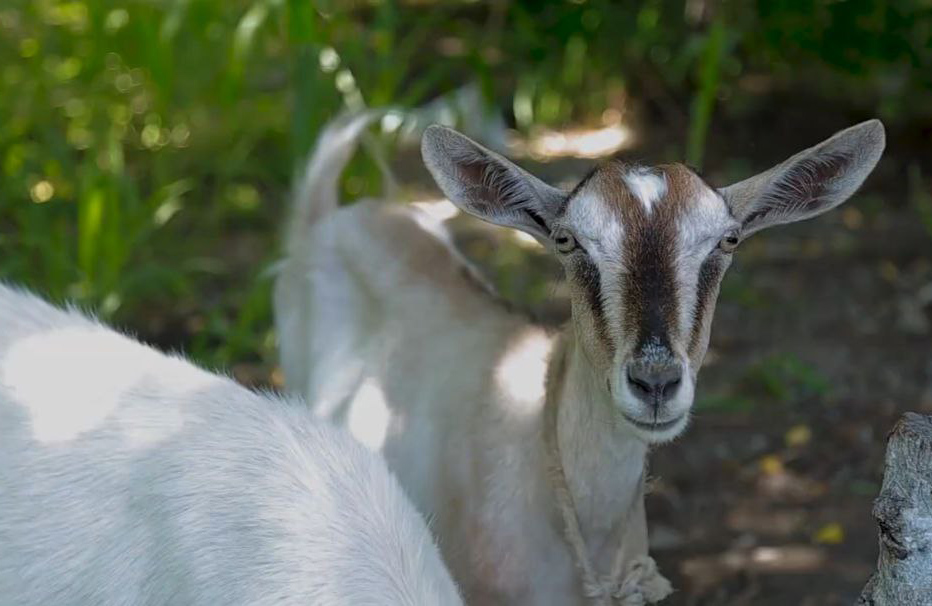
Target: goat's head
(645, 249)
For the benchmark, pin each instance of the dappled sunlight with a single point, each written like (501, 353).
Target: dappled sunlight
(577, 143)
(71, 380)
(438, 209)
(520, 372)
(432, 215)
(705, 572)
(368, 416)
(786, 559)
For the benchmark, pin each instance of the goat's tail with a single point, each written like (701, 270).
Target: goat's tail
(316, 190)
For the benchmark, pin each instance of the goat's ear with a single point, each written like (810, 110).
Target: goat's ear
(811, 182)
(484, 184)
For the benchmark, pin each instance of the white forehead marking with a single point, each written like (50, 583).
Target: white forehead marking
(591, 218)
(646, 186)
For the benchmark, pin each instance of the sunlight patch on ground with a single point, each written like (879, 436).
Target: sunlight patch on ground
(786, 559)
(577, 143)
(706, 572)
(782, 559)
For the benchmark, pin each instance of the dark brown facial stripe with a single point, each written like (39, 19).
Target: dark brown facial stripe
(587, 273)
(710, 274)
(649, 287)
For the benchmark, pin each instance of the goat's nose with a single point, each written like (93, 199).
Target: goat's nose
(654, 383)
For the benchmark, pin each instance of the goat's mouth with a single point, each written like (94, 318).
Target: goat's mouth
(654, 426)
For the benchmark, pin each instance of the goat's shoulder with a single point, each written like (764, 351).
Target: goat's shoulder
(401, 250)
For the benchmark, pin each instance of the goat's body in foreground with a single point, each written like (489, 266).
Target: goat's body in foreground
(130, 477)
(496, 428)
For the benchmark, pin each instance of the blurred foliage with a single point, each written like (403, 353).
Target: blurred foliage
(724, 403)
(920, 197)
(786, 378)
(145, 146)
(780, 378)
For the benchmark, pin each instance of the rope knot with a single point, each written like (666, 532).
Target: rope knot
(602, 588)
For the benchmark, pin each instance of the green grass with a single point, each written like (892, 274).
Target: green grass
(145, 147)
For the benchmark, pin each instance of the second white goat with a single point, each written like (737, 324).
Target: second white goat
(128, 477)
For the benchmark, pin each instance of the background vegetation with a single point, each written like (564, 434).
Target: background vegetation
(145, 147)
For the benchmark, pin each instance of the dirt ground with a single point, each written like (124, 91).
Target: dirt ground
(769, 502)
(821, 340)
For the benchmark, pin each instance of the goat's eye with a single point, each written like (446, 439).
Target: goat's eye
(729, 243)
(564, 241)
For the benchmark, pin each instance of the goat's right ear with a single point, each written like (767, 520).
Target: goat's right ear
(811, 182)
(486, 185)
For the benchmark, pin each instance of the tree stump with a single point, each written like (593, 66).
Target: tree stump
(904, 514)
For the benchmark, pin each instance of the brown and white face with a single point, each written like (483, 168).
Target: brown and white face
(645, 249)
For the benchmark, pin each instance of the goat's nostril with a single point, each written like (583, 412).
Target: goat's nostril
(657, 384)
(670, 386)
(639, 384)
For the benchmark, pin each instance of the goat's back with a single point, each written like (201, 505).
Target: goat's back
(131, 477)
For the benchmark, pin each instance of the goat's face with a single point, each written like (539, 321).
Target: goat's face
(645, 249)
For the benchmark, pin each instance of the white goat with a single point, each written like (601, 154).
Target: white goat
(128, 477)
(536, 485)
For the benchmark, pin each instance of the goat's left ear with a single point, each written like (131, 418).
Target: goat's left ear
(811, 182)
(487, 185)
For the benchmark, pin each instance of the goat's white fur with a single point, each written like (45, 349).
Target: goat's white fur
(367, 297)
(128, 477)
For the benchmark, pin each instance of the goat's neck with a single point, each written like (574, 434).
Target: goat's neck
(603, 462)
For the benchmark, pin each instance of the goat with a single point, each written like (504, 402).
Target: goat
(128, 477)
(528, 448)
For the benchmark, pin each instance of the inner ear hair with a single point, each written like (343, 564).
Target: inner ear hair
(802, 188)
(489, 186)
(494, 186)
(809, 183)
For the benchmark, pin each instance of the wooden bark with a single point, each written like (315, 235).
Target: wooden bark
(904, 514)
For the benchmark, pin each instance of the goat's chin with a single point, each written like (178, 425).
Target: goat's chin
(659, 432)
(661, 436)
